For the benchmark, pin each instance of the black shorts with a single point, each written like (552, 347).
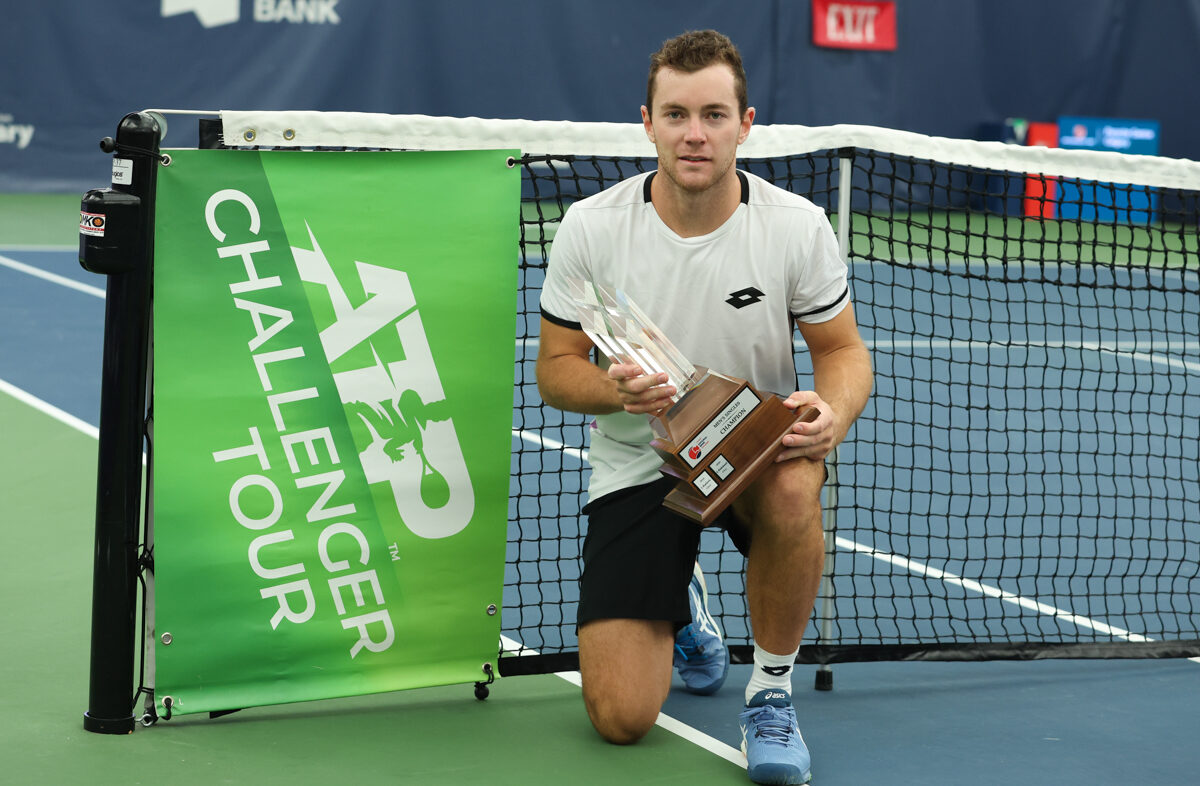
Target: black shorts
(638, 557)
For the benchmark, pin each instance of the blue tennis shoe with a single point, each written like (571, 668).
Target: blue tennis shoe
(775, 751)
(700, 653)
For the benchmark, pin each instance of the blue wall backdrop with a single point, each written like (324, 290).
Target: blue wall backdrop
(72, 69)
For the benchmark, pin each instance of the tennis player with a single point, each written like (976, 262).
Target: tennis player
(724, 263)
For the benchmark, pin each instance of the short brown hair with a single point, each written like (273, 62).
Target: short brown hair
(694, 50)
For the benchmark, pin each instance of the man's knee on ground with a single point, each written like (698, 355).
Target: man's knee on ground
(618, 722)
(626, 670)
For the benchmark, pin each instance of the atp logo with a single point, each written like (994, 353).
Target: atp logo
(388, 384)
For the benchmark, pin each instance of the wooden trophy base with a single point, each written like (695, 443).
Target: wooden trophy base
(717, 440)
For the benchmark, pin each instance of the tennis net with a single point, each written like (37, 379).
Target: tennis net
(1023, 483)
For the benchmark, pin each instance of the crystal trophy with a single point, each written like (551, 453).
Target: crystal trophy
(719, 433)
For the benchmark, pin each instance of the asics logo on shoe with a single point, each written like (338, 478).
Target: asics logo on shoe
(700, 656)
(706, 622)
(775, 751)
(776, 671)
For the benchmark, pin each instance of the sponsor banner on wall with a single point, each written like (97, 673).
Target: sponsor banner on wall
(1107, 201)
(333, 387)
(851, 24)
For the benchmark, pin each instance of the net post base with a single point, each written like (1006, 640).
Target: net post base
(108, 725)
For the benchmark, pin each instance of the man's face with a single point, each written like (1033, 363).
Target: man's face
(695, 126)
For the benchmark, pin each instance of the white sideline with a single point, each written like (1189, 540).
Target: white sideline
(47, 408)
(53, 278)
(978, 587)
(676, 727)
(546, 442)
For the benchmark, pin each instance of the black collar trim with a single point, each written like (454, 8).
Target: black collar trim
(745, 181)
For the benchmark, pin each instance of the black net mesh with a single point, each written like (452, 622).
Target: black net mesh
(1024, 481)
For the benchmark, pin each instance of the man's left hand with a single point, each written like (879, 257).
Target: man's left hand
(813, 439)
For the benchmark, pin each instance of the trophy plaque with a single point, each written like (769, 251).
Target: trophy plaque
(719, 433)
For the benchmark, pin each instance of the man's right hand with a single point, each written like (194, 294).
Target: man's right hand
(641, 394)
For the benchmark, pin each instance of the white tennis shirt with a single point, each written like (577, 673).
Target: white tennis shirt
(727, 299)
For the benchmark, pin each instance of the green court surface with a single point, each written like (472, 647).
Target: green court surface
(531, 730)
(39, 219)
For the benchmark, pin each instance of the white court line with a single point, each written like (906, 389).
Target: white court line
(546, 442)
(62, 416)
(676, 727)
(44, 407)
(978, 587)
(1122, 348)
(992, 263)
(1142, 356)
(54, 278)
(995, 592)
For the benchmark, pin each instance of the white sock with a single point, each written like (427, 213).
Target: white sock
(771, 671)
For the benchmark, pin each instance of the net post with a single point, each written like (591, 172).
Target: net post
(119, 244)
(824, 675)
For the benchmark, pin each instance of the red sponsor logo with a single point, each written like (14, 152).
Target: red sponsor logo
(694, 453)
(91, 224)
(851, 24)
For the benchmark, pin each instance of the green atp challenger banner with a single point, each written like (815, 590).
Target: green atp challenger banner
(333, 387)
